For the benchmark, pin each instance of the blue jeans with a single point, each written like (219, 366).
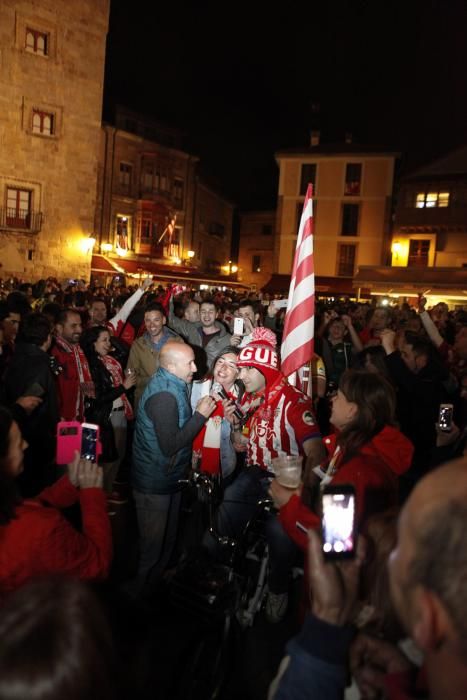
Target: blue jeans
(238, 507)
(157, 524)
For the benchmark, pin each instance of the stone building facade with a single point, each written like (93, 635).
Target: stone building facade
(153, 212)
(256, 249)
(352, 204)
(51, 85)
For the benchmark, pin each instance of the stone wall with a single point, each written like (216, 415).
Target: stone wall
(58, 169)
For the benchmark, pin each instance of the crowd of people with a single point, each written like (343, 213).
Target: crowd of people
(174, 386)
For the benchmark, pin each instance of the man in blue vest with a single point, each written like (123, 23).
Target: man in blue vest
(165, 428)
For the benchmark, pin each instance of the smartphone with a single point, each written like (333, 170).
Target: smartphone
(35, 389)
(68, 440)
(89, 441)
(445, 417)
(238, 326)
(338, 521)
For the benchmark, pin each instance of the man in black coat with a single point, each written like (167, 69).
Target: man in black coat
(29, 373)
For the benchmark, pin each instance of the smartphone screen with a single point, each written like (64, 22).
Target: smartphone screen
(445, 417)
(238, 326)
(338, 522)
(89, 443)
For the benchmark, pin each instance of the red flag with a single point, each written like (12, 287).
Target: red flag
(297, 339)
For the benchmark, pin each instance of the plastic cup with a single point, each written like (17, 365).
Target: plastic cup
(288, 470)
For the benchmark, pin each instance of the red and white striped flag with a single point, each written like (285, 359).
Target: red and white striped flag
(297, 339)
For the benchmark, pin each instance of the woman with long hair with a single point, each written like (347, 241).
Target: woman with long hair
(367, 451)
(213, 451)
(36, 539)
(110, 407)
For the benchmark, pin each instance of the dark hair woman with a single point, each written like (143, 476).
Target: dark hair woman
(36, 539)
(367, 451)
(212, 447)
(55, 643)
(110, 407)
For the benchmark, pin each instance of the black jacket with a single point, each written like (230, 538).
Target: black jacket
(28, 366)
(99, 409)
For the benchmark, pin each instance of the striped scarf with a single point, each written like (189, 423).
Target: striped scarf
(207, 444)
(115, 370)
(86, 385)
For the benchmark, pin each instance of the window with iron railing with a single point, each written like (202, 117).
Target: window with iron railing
(18, 208)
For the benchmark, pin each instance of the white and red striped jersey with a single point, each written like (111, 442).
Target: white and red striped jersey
(281, 426)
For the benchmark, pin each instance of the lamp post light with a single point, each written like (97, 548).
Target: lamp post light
(88, 244)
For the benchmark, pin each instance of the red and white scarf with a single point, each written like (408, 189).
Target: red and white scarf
(86, 385)
(207, 444)
(115, 370)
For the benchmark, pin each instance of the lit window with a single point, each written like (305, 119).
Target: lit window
(443, 199)
(429, 200)
(420, 202)
(36, 42)
(42, 122)
(256, 263)
(122, 230)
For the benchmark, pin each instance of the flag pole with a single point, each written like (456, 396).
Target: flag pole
(297, 348)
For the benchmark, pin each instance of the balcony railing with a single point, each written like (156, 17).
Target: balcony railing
(20, 220)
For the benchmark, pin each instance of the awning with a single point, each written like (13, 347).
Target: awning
(279, 284)
(412, 280)
(143, 268)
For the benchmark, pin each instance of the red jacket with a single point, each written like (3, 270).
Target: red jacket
(40, 541)
(68, 385)
(374, 473)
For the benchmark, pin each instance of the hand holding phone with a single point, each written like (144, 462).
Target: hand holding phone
(90, 476)
(338, 521)
(334, 586)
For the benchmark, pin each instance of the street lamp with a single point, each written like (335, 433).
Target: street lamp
(88, 244)
(230, 268)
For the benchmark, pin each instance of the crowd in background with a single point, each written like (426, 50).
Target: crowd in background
(143, 363)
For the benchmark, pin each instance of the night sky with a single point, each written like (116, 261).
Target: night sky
(240, 79)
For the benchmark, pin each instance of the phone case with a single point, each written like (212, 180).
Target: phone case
(68, 440)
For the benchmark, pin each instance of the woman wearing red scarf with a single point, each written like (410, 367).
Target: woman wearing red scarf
(110, 408)
(212, 448)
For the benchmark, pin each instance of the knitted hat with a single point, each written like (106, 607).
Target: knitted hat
(261, 354)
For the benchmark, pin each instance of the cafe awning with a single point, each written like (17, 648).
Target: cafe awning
(279, 284)
(410, 281)
(165, 273)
